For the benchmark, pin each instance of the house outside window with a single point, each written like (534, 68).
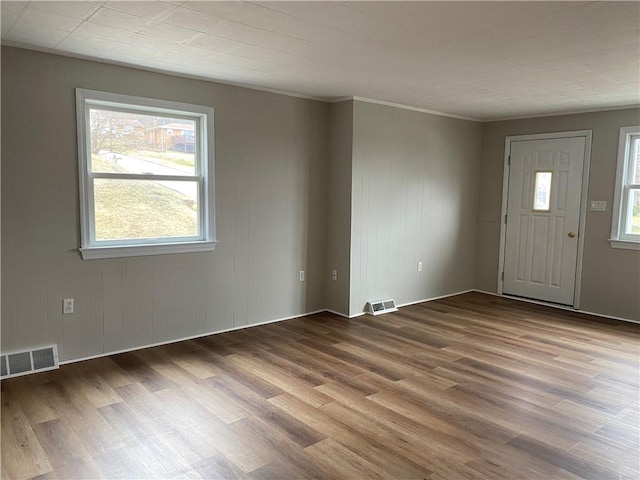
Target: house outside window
(625, 229)
(146, 176)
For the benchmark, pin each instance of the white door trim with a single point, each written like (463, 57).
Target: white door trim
(587, 134)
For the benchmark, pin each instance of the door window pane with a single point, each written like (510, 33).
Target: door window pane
(542, 192)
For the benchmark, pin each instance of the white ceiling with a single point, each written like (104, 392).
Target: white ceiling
(482, 60)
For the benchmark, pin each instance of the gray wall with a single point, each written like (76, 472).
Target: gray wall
(271, 197)
(364, 188)
(610, 277)
(414, 198)
(339, 208)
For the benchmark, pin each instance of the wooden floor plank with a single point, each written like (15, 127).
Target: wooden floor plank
(335, 459)
(371, 449)
(472, 386)
(22, 453)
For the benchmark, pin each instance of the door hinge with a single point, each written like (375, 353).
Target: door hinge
(509, 160)
(505, 218)
(503, 276)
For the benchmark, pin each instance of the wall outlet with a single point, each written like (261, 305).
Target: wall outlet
(67, 305)
(419, 266)
(302, 275)
(334, 274)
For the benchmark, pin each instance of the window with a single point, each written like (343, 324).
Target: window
(542, 192)
(144, 191)
(625, 230)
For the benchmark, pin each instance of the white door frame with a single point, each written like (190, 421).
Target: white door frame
(586, 134)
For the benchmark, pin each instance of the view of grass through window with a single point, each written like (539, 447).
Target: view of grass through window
(130, 143)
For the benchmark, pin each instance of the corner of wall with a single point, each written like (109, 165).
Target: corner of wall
(339, 206)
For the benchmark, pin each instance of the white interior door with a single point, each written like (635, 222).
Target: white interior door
(543, 218)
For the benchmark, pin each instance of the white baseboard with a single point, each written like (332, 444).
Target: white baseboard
(436, 298)
(414, 302)
(554, 305)
(182, 339)
(337, 313)
(200, 335)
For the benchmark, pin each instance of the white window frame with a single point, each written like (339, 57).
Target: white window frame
(621, 199)
(204, 175)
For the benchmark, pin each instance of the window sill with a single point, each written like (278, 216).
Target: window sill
(91, 253)
(624, 244)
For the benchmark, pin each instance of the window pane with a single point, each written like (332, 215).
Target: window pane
(137, 143)
(128, 209)
(633, 219)
(542, 192)
(635, 160)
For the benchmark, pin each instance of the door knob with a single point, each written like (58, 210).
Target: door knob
(571, 235)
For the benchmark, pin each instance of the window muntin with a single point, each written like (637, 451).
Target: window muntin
(625, 230)
(146, 175)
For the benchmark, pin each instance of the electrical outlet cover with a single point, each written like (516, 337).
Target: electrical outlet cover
(67, 305)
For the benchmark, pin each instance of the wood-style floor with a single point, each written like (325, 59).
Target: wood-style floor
(473, 386)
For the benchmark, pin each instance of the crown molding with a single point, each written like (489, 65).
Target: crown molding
(307, 97)
(405, 107)
(566, 112)
(117, 63)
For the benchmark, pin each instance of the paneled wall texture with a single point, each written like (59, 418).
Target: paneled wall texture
(366, 189)
(271, 214)
(415, 195)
